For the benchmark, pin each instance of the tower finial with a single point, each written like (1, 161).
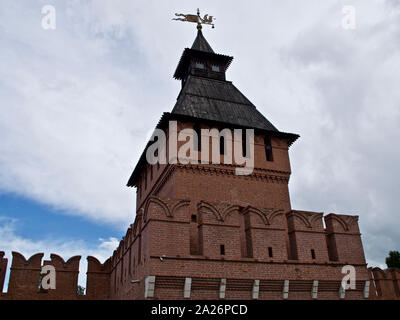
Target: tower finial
(199, 27)
(196, 19)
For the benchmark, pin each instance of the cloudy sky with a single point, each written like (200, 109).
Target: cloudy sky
(77, 104)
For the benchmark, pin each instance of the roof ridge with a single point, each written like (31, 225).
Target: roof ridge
(218, 100)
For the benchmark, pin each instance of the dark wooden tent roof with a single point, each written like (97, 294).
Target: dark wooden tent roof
(212, 99)
(221, 101)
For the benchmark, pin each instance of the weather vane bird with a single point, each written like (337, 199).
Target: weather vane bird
(196, 19)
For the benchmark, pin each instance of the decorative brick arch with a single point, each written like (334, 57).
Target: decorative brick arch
(274, 214)
(169, 210)
(314, 218)
(212, 208)
(258, 212)
(179, 204)
(346, 223)
(228, 211)
(308, 218)
(159, 202)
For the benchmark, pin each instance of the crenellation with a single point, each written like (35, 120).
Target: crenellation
(24, 275)
(344, 238)
(66, 277)
(384, 284)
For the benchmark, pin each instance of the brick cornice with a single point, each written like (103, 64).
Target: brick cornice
(229, 170)
(251, 260)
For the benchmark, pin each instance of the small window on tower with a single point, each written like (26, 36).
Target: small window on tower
(221, 145)
(197, 140)
(199, 65)
(194, 218)
(222, 249)
(215, 68)
(158, 160)
(313, 254)
(245, 143)
(268, 149)
(270, 252)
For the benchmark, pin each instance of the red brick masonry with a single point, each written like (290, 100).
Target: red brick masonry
(202, 232)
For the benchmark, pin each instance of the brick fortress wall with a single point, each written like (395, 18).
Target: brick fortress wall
(202, 232)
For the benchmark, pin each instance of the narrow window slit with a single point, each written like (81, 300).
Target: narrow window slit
(313, 254)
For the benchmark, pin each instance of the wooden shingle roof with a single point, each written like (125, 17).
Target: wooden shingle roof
(221, 101)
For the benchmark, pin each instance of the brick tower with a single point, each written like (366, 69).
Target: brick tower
(204, 232)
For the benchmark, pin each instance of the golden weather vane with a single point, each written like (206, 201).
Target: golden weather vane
(196, 19)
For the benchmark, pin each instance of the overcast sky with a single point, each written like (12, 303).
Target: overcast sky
(78, 103)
